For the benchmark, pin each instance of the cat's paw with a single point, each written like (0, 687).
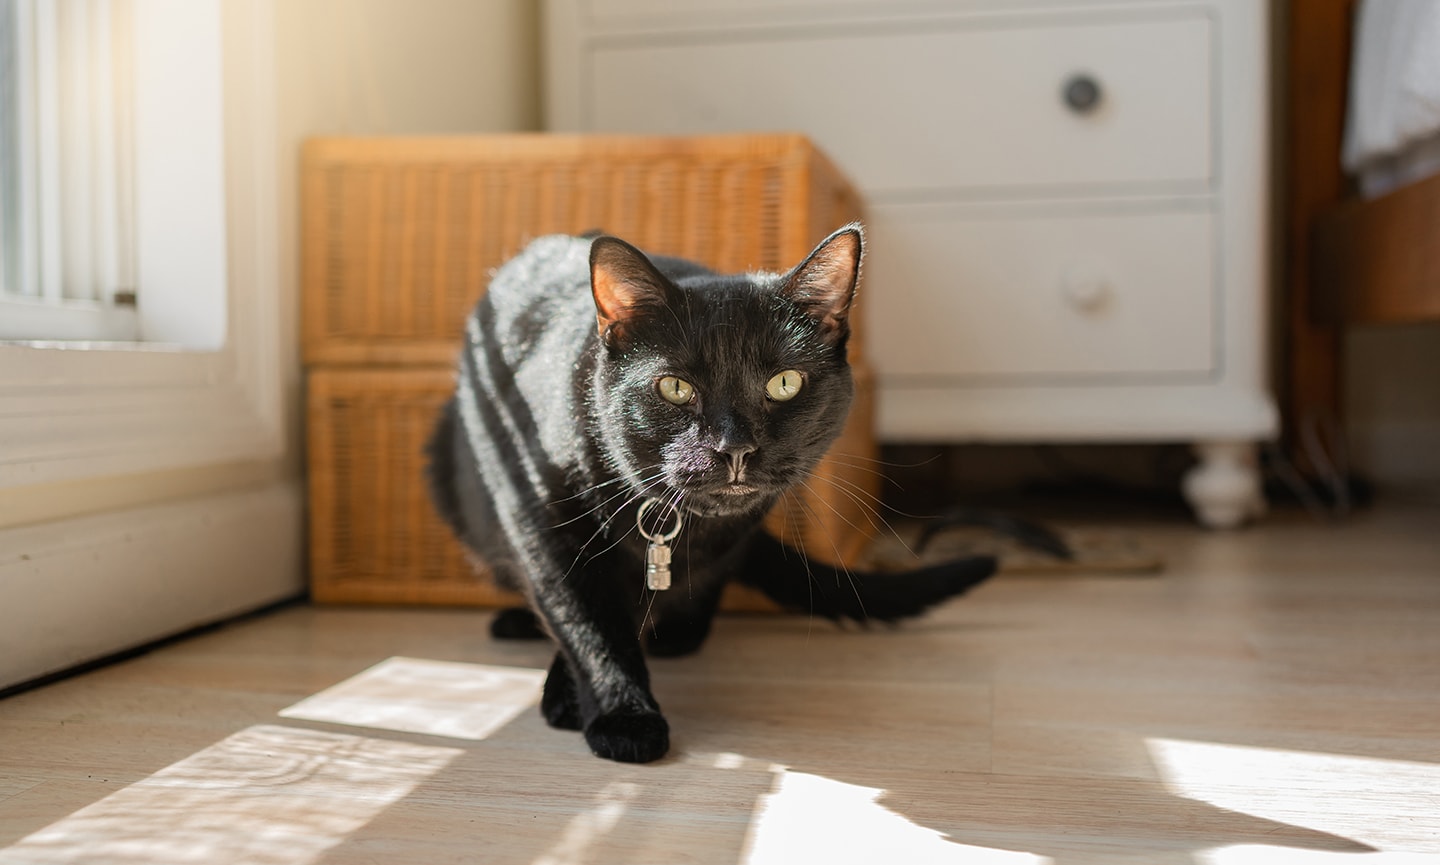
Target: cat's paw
(629, 737)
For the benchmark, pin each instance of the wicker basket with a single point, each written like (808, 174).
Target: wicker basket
(400, 237)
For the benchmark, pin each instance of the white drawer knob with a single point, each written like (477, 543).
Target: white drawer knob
(1086, 287)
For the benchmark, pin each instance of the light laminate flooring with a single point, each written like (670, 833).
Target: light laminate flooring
(1272, 696)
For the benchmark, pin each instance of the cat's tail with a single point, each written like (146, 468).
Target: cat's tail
(796, 583)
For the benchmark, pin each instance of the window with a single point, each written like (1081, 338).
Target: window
(111, 178)
(206, 386)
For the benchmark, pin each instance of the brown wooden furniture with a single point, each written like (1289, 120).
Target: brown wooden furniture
(1347, 261)
(400, 237)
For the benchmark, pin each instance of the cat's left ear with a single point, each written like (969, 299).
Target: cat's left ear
(626, 286)
(824, 283)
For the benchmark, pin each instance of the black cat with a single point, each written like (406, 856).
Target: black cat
(596, 381)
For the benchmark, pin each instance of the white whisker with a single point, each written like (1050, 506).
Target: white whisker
(603, 526)
(840, 567)
(856, 494)
(804, 560)
(805, 483)
(644, 482)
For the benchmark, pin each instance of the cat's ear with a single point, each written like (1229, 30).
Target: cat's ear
(824, 283)
(626, 286)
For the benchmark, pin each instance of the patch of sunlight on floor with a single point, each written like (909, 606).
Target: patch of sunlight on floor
(810, 818)
(438, 698)
(586, 829)
(1334, 793)
(1258, 854)
(264, 796)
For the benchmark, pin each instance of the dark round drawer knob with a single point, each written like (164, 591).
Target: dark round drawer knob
(1082, 93)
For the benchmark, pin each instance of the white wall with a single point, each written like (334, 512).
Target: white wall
(377, 67)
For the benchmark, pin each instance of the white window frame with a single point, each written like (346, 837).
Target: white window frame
(72, 412)
(24, 318)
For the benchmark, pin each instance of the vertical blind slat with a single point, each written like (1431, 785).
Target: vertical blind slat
(9, 150)
(27, 148)
(47, 214)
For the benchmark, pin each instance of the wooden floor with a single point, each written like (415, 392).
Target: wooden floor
(1273, 696)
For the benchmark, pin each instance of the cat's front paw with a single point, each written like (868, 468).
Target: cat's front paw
(629, 737)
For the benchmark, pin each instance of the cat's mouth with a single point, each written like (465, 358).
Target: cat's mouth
(723, 500)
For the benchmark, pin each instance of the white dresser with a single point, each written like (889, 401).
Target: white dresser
(1066, 199)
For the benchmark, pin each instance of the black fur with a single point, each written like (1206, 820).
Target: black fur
(558, 430)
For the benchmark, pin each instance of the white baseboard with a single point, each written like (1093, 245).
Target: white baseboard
(80, 589)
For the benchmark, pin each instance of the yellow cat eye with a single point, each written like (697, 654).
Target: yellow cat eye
(784, 385)
(676, 391)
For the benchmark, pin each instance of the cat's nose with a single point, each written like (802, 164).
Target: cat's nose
(735, 455)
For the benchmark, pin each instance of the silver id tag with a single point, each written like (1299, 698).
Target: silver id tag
(657, 552)
(657, 566)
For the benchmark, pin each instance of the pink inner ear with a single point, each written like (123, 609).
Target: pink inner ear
(826, 283)
(613, 296)
(624, 283)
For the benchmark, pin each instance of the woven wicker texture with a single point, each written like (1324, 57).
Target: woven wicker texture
(400, 239)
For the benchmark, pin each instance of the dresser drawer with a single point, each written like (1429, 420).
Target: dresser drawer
(1041, 299)
(925, 107)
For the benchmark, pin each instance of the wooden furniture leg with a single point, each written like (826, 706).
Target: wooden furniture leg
(1318, 37)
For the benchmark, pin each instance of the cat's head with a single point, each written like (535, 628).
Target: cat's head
(719, 393)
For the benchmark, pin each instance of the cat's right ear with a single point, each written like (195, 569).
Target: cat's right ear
(626, 287)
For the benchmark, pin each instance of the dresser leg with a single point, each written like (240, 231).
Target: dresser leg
(1224, 489)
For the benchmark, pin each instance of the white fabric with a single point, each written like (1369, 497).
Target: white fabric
(1394, 104)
